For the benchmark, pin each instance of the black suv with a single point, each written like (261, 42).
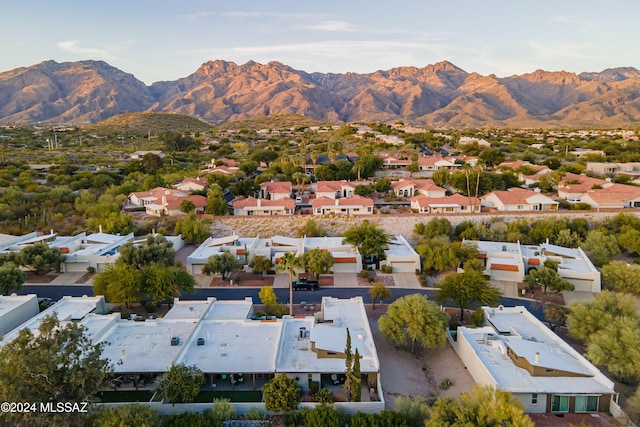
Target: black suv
(305, 285)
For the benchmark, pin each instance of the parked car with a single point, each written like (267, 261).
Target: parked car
(305, 285)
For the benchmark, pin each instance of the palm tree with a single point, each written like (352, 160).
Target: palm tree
(479, 169)
(289, 262)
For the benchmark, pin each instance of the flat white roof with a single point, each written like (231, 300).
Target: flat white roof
(189, 309)
(295, 354)
(133, 347)
(8, 303)
(236, 309)
(67, 309)
(398, 246)
(234, 346)
(485, 246)
(15, 309)
(516, 329)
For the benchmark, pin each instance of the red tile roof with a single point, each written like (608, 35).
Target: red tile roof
(345, 201)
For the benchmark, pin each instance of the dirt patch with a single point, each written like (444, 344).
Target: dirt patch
(42, 278)
(387, 280)
(242, 279)
(419, 374)
(85, 278)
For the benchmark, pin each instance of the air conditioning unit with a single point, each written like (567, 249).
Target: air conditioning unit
(200, 341)
(175, 341)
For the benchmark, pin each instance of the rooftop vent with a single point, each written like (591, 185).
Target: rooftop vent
(200, 341)
(175, 341)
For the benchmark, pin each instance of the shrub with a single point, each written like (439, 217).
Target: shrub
(256, 414)
(364, 274)
(221, 411)
(91, 269)
(477, 317)
(445, 384)
(314, 386)
(324, 396)
(581, 206)
(322, 416)
(277, 310)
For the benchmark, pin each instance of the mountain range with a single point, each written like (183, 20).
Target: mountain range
(219, 91)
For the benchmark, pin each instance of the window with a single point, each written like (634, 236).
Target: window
(586, 403)
(559, 403)
(534, 398)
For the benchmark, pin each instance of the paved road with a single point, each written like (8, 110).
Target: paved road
(56, 292)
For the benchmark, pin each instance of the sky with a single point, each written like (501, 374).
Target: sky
(164, 40)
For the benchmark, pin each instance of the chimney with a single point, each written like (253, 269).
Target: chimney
(259, 202)
(100, 228)
(537, 357)
(164, 200)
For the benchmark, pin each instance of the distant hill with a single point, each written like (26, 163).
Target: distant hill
(274, 121)
(143, 123)
(218, 91)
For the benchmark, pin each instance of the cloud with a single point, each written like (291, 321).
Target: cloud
(245, 14)
(73, 46)
(195, 16)
(331, 26)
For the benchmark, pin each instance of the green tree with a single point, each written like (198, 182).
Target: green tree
(379, 292)
(193, 229)
(120, 283)
(161, 283)
(414, 409)
(370, 239)
(289, 262)
(548, 278)
(155, 250)
(144, 271)
(322, 416)
(133, 414)
(465, 288)
(352, 381)
(629, 239)
(223, 264)
(434, 228)
(617, 347)
(281, 394)
(11, 278)
(356, 394)
(382, 185)
(555, 315)
(587, 318)
(311, 229)
(484, 407)
(181, 383)
(267, 295)
(39, 258)
(442, 177)
(58, 362)
(187, 206)
(261, 264)
(622, 277)
(414, 319)
(216, 204)
(567, 238)
(318, 261)
(601, 247)
(438, 254)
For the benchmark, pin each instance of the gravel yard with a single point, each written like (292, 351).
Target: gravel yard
(419, 374)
